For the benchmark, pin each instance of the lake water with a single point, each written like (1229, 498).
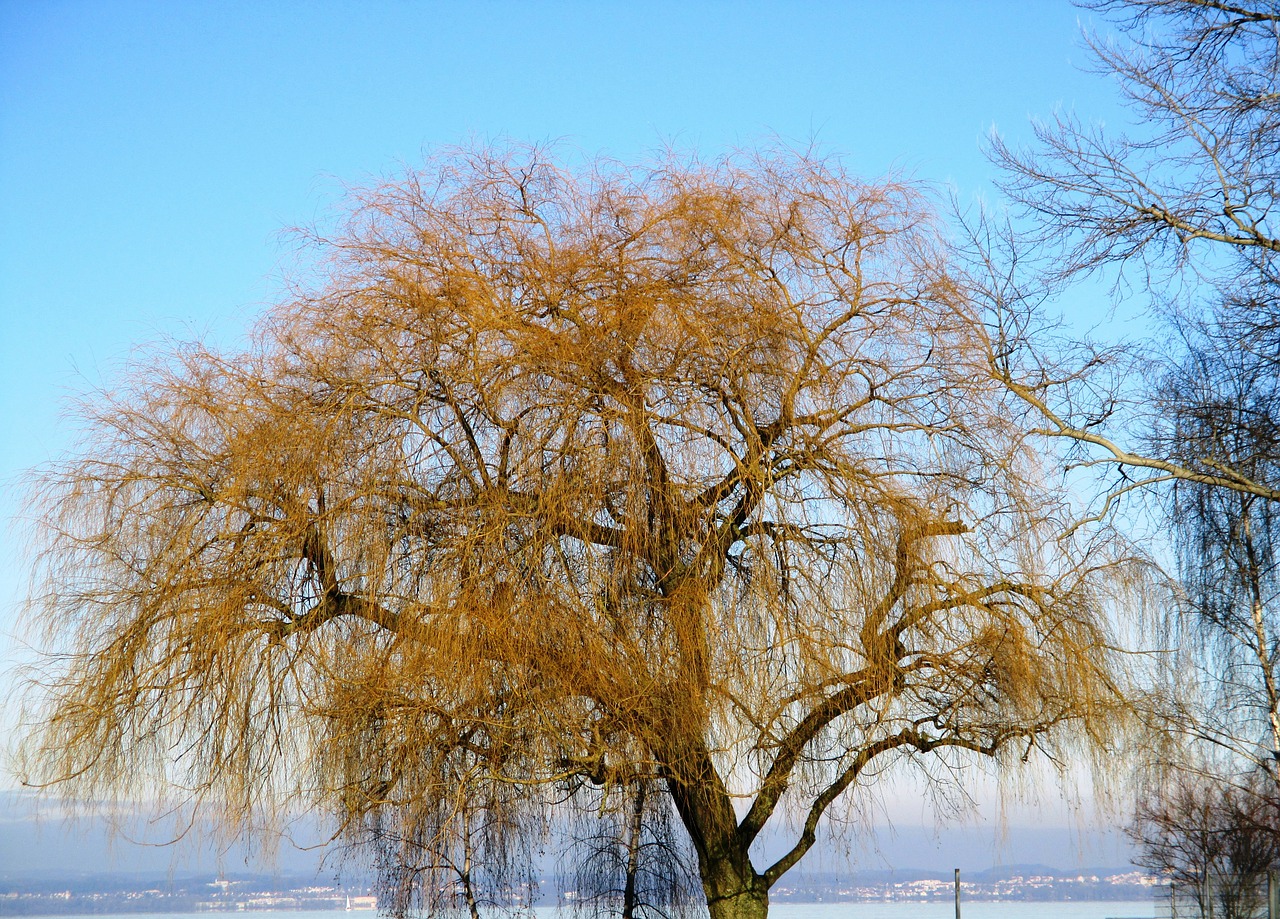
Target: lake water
(936, 909)
(972, 909)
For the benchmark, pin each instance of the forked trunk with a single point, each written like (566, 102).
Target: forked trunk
(733, 888)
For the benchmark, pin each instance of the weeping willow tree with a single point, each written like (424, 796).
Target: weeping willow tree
(561, 485)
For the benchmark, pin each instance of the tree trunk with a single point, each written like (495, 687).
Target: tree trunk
(746, 904)
(734, 893)
(634, 831)
(733, 888)
(473, 908)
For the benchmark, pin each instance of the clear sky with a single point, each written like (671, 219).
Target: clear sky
(151, 152)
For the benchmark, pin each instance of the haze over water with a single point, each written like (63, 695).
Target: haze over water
(935, 909)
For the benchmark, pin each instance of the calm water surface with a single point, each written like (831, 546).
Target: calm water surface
(975, 909)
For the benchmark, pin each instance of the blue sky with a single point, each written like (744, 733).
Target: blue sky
(152, 152)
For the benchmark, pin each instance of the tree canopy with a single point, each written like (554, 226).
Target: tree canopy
(563, 486)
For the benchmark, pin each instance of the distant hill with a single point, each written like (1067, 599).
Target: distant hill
(34, 841)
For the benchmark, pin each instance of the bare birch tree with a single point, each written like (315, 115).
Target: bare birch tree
(1184, 205)
(1182, 209)
(633, 863)
(693, 473)
(1188, 198)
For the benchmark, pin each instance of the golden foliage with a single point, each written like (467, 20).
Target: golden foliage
(564, 479)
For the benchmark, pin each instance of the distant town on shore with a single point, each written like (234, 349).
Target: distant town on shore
(125, 894)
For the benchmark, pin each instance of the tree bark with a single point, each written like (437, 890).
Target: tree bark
(734, 890)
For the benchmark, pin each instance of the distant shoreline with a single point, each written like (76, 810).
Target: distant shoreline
(134, 895)
(900, 909)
